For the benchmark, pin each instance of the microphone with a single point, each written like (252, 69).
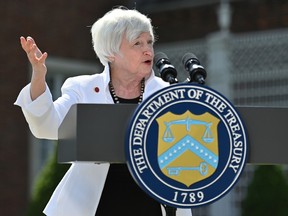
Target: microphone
(197, 72)
(167, 71)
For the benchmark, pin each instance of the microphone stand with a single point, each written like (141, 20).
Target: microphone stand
(200, 80)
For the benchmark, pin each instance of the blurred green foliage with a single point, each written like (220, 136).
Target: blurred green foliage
(45, 185)
(267, 194)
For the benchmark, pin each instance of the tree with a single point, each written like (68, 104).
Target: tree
(45, 184)
(267, 193)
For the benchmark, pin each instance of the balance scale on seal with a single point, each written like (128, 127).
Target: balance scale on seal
(195, 147)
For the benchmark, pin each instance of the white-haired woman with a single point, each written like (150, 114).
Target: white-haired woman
(123, 40)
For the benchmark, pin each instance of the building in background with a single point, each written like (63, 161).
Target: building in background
(241, 43)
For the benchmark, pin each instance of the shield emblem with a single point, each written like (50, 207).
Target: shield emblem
(187, 146)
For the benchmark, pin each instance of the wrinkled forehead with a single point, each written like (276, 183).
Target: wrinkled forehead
(137, 35)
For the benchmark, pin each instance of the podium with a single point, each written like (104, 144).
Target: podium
(96, 133)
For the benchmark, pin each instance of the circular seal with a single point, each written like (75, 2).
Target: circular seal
(186, 145)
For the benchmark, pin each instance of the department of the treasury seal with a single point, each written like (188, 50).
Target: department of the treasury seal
(186, 145)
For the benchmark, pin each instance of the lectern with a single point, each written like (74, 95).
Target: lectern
(96, 133)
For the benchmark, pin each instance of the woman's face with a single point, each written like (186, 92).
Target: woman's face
(136, 56)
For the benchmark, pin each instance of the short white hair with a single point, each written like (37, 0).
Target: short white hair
(107, 32)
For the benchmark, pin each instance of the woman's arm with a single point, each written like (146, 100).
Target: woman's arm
(37, 60)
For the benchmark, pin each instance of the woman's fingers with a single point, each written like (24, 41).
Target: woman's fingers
(29, 45)
(33, 52)
(35, 56)
(23, 43)
(43, 57)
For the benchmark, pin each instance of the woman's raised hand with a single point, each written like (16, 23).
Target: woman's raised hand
(37, 60)
(35, 56)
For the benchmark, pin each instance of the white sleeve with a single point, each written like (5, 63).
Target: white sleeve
(42, 121)
(42, 114)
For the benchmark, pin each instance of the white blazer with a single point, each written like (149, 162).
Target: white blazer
(79, 192)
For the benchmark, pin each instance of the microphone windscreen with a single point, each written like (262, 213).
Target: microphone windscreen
(160, 56)
(187, 57)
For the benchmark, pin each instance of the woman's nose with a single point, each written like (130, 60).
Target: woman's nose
(148, 50)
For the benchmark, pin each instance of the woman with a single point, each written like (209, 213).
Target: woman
(123, 40)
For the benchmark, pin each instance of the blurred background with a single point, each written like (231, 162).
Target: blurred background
(243, 44)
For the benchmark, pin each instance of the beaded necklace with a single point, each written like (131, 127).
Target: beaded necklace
(117, 100)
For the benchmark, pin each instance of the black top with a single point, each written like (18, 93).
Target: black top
(131, 101)
(121, 194)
